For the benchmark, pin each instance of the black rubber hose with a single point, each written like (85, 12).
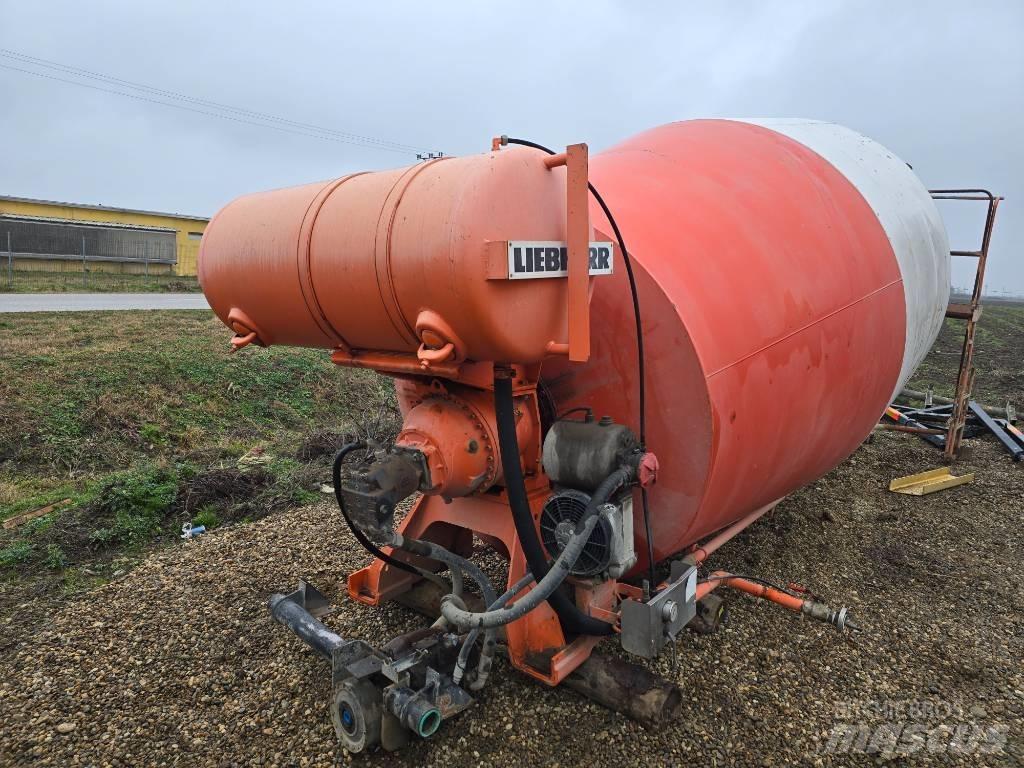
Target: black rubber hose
(641, 372)
(361, 537)
(634, 295)
(573, 620)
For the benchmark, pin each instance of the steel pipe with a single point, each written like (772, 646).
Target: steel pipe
(708, 548)
(309, 630)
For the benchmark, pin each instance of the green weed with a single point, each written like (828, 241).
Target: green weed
(207, 516)
(18, 552)
(135, 503)
(55, 557)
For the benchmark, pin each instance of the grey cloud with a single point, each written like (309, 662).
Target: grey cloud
(940, 83)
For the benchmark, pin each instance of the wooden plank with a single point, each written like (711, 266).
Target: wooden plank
(15, 520)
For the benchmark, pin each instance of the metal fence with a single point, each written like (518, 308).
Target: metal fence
(73, 277)
(48, 254)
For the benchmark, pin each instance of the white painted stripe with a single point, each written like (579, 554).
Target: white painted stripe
(906, 212)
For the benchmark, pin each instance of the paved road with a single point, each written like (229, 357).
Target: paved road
(86, 302)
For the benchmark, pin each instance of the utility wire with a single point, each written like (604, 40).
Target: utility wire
(211, 108)
(109, 79)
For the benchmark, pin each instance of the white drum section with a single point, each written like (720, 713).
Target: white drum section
(906, 212)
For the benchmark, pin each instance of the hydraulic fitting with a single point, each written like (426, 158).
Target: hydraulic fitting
(840, 619)
(413, 710)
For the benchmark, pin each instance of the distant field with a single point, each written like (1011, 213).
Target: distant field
(94, 282)
(998, 357)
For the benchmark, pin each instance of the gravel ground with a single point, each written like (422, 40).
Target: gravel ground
(178, 663)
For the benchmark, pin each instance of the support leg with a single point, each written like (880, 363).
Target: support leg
(536, 643)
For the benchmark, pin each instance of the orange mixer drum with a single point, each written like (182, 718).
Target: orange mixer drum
(792, 276)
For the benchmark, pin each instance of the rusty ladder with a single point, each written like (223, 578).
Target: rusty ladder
(970, 312)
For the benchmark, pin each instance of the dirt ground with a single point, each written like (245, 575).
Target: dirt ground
(177, 662)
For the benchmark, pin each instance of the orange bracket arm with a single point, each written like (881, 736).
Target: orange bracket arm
(577, 227)
(578, 239)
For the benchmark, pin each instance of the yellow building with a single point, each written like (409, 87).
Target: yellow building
(50, 236)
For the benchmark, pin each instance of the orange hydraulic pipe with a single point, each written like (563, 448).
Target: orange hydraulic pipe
(786, 600)
(705, 550)
(811, 607)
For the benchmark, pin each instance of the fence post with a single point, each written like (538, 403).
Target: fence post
(85, 275)
(10, 263)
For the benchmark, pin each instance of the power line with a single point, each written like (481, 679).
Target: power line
(109, 79)
(211, 108)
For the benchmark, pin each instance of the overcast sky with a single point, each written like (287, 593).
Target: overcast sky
(939, 83)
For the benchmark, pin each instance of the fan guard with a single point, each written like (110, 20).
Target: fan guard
(561, 512)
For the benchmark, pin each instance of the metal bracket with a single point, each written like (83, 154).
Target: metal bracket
(311, 599)
(354, 659)
(648, 627)
(577, 235)
(1004, 436)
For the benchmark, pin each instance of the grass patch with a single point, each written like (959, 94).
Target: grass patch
(15, 553)
(33, 281)
(55, 557)
(999, 339)
(147, 422)
(206, 517)
(134, 505)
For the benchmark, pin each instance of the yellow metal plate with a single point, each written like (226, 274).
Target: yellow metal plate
(928, 482)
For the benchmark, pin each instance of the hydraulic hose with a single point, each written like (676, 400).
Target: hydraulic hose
(454, 611)
(641, 372)
(457, 565)
(463, 619)
(482, 670)
(573, 620)
(454, 562)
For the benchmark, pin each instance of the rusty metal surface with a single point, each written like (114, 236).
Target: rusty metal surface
(969, 312)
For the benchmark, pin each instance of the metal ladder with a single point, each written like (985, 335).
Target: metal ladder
(970, 312)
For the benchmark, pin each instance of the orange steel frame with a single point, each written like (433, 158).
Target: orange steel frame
(536, 643)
